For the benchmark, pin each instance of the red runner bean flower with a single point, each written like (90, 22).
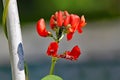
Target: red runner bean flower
(41, 28)
(52, 49)
(73, 54)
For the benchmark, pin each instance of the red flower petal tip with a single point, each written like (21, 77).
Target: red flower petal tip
(60, 18)
(82, 21)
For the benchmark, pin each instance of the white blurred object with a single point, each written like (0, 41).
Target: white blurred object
(15, 41)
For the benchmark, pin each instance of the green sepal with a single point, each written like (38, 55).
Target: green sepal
(5, 12)
(52, 77)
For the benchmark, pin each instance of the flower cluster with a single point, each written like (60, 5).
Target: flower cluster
(70, 22)
(62, 23)
(71, 55)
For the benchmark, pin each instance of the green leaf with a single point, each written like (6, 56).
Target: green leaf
(52, 77)
(5, 12)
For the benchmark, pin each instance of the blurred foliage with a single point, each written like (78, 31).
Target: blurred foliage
(32, 10)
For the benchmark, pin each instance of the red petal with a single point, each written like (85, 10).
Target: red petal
(82, 22)
(66, 20)
(52, 22)
(41, 28)
(83, 18)
(60, 18)
(41, 25)
(56, 15)
(52, 49)
(75, 52)
(80, 30)
(66, 13)
(74, 21)
(69, 36)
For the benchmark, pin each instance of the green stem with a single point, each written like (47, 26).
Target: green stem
(53, 37)
(5, 12)
(59, 36)
(53, 65)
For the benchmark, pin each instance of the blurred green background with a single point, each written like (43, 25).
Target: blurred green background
(32, 10)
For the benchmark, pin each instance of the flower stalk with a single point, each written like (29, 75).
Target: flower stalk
(54, 60)
(61, 23)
